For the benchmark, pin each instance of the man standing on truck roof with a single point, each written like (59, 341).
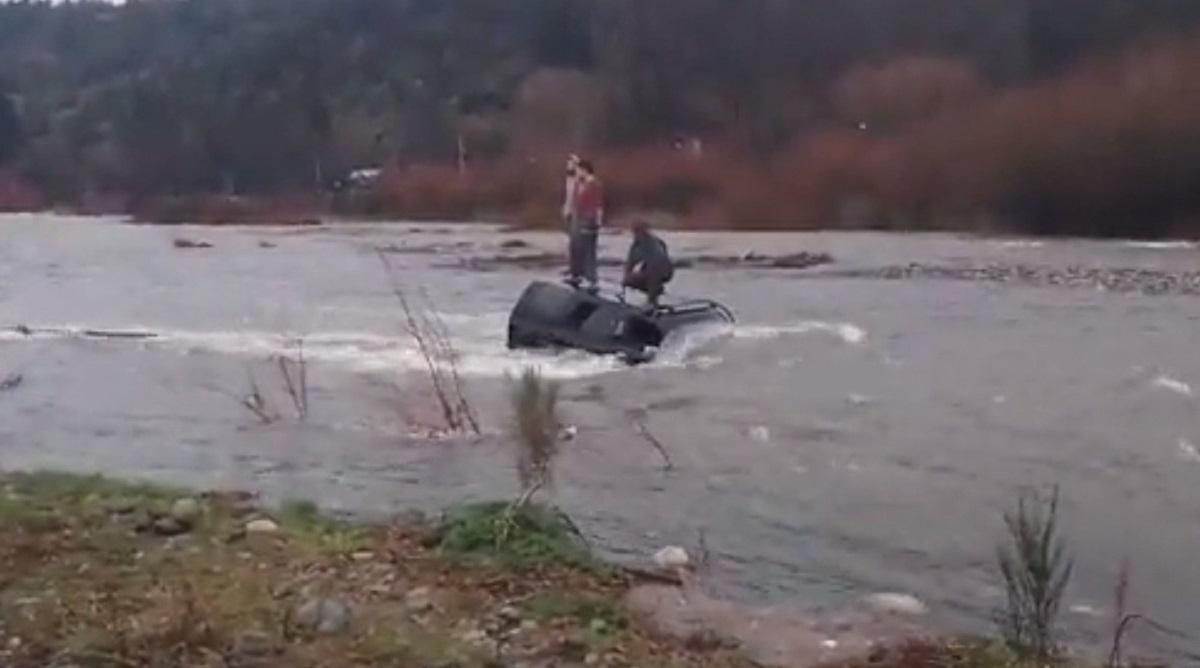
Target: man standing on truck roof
(585, 228)
(571, 186)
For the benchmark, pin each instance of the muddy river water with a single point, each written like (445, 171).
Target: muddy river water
(858, 430)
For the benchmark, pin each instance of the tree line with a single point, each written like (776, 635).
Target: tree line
(156, 97)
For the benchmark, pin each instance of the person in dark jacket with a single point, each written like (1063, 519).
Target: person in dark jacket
(648, 267)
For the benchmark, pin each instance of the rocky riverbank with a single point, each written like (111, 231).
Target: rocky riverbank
(99, 573)
(519, 254)
(1110, 279)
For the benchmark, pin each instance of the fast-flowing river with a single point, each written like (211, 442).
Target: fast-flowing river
(860, 429)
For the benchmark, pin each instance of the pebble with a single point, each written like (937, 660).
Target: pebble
(325, 616)
(261, 526)
(572, 650)
(672, 556)
(896, 604)
(185, 510)
(418, 600)
(474, 637)
(169, 526)
(510, 614)
(122, 506)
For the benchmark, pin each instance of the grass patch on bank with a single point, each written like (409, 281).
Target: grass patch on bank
(96, 573)
(528, 535)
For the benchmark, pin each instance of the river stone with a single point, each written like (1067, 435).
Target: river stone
(324, 616)
(122, 506)
(769, 636)
(186, 510)
(419, 600)
(261, 525)
(892, 603)
(474, 637)
(672, 556)
(169, 526)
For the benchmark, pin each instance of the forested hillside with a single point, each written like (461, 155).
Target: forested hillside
(157, 97)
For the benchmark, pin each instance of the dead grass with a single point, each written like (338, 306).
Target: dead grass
(84, 582)
(292, 369)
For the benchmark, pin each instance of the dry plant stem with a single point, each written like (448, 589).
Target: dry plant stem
(649, 437)
(510, 513)
(450, 411)
(303, 373)
(1121, 620)
(442, 336)
(11, 381)
(705, 560)
(297, 389)
(256, 403)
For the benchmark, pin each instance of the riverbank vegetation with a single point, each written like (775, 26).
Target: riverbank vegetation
(104, 574)
(1048, 118)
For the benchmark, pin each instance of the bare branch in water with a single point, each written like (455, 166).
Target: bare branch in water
(436, 349)
(297, 388)
(1123, 620)
(441, 334)
(639, 425)
(256, 403)
(11, 382)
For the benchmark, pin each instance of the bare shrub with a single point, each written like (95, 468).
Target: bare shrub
(1123, 621)
(429, 332)
(294, 372)
(536, 427)
(257, 403)
(1036, 572)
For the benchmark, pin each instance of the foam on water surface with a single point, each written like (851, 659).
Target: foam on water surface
(477, 340)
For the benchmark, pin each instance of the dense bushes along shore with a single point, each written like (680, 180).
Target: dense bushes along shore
(913, 131)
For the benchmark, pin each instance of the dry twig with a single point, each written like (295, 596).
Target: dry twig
(257, 404)
(297, 388)
(434, 346)
(638, 417)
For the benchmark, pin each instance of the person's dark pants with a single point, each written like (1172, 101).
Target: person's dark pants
(581, 252)
(651, 281)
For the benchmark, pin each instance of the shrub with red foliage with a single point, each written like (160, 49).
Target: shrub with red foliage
(1112, 148)
(528, 189)
(18, 195)
(227, 210)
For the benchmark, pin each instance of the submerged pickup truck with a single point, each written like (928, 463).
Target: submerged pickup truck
(553, 315)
